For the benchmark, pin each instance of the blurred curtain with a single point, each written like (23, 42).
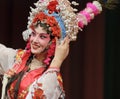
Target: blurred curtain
(112, 55)
(83, 70)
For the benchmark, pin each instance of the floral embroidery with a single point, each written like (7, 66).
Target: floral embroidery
(18, 60)
(23, 94)
(59, 78)
(19, 55)
(11, 92)
(39, 93)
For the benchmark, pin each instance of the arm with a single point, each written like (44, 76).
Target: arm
(6, 58)
(61, 52)
(50, 85)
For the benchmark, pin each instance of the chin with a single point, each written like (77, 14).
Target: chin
(35, 51)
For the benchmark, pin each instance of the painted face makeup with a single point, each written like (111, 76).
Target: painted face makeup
(39, 40)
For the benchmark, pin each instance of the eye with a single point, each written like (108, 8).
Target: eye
(33, 34)
(43, 36)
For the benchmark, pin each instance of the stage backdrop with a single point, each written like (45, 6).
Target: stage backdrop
(83, 71)
(112, 55)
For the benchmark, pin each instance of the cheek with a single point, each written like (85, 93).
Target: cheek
(44, 42)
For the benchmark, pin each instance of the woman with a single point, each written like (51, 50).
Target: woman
(34, 73)
(25, 72)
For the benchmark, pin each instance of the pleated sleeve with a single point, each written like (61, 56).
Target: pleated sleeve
(7, 56)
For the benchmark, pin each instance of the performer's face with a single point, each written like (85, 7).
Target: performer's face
(39, 40)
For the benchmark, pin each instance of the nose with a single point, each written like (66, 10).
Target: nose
(36, 38)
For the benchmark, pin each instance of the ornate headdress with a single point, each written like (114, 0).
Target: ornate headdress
(59, 18)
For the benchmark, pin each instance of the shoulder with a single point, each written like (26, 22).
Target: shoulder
(19, 54)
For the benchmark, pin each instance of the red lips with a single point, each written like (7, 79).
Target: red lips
(35, 46)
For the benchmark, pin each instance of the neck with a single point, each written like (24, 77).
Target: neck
(41, 56)
(37, 61)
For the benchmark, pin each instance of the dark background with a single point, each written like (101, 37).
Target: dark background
(92, 69)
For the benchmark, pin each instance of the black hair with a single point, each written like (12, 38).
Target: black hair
(45, 27)
(18, 78)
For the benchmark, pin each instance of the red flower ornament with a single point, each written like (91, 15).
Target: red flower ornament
(52, 6)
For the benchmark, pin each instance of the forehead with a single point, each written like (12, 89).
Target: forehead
(40, 29)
